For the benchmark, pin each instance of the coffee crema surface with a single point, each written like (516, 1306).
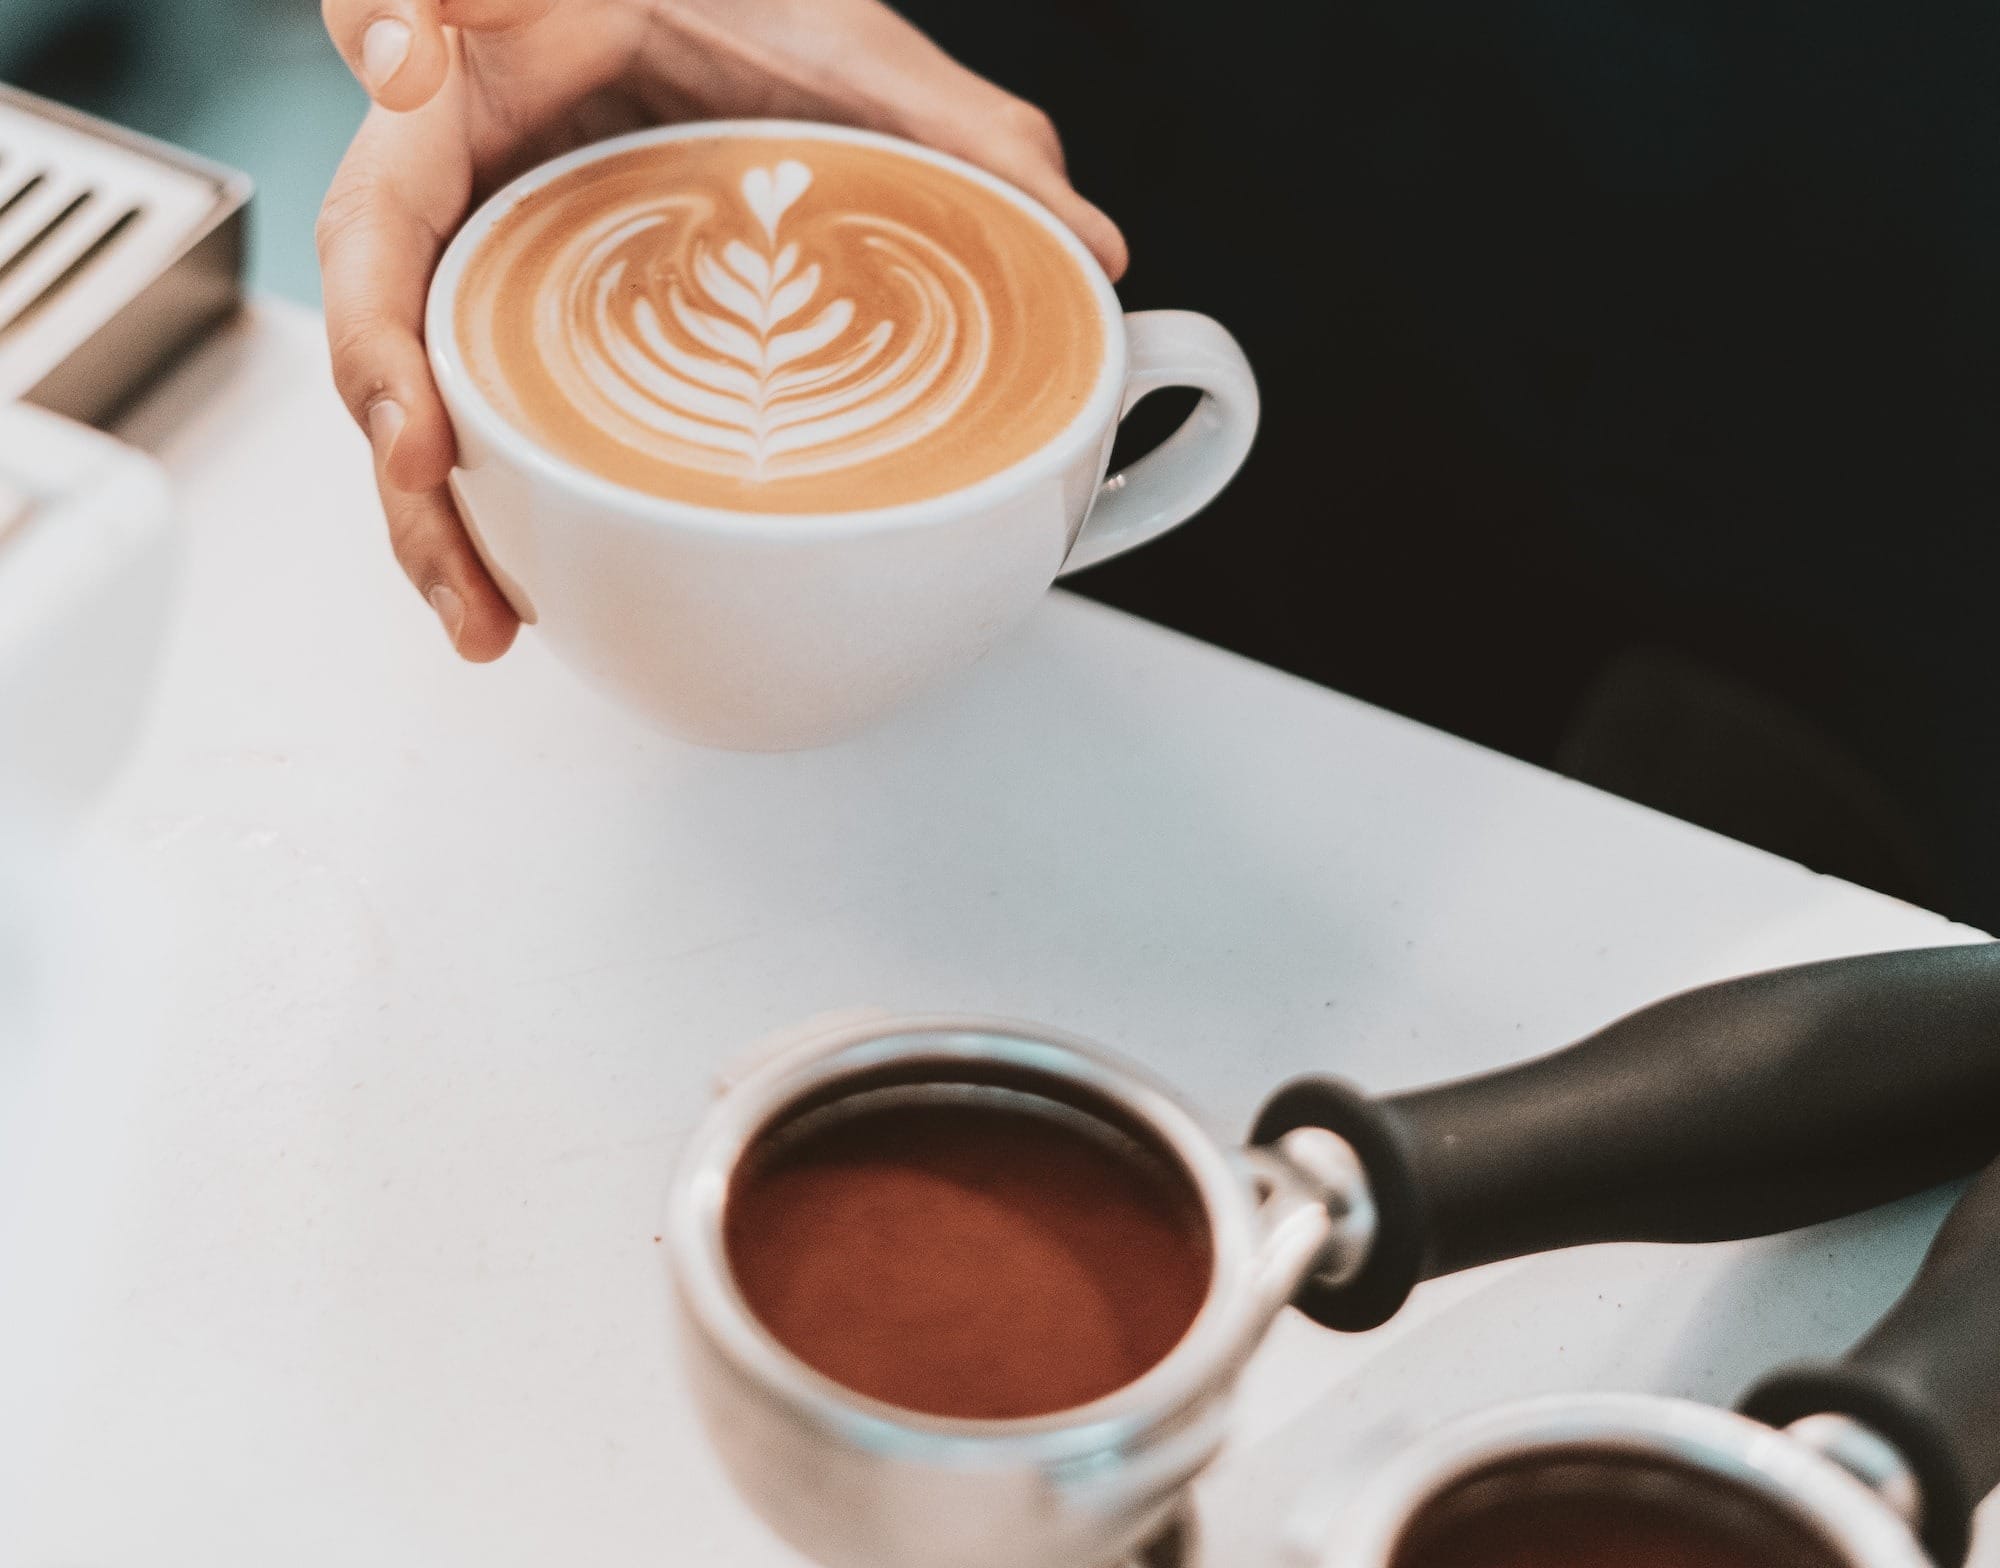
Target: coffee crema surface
(779, 324)
(968, 1259)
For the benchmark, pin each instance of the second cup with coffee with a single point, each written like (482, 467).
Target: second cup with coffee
(771, 425)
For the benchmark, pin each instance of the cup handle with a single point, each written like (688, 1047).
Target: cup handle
(1173, 348)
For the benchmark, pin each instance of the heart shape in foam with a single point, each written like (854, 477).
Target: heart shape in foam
(736, 360)
(769, 192)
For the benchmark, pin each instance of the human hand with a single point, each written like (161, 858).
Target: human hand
(469, 93)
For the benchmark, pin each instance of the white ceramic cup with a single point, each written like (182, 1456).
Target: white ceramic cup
(768, 631)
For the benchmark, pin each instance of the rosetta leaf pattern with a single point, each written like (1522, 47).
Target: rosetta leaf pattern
(749, 364)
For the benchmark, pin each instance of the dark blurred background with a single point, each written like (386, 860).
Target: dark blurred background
(1631, 369)
(1632, 383)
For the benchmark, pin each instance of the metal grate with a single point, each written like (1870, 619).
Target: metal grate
(97, 227)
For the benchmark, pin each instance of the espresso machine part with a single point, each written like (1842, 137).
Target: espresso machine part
(116, 253)
(1751, 1106)
(1876, 1460)
(87, 555)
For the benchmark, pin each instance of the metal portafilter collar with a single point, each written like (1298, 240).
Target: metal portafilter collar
(852, 1481)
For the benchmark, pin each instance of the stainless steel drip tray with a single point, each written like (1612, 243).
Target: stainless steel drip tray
(116, 251)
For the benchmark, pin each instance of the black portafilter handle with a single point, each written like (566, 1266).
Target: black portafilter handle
(1927, 1377)
(1737, 1109)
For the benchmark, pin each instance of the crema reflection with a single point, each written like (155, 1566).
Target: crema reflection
(779, 324)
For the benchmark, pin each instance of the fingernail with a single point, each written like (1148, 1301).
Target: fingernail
(385, 423)
(450, 609)
(384, 47)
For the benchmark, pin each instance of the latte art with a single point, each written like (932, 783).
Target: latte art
(779, 324)
(753, 370)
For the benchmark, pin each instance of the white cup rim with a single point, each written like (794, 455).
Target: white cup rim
(467, 402)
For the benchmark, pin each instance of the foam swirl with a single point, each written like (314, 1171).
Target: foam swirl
(755, 367)
(773, 323)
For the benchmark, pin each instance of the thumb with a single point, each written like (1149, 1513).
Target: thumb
(395, 48)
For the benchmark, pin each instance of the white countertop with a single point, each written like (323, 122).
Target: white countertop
(446, 960)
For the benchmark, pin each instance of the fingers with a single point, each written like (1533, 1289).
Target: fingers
(431, 543)
(859, 62)
(396, 48)
(376, 254)
(396, 192)
(494, 16)
(1018, 142)
(923, 92)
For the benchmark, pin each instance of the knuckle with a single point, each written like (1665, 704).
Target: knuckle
(360, 342)
(1030, 125)
(345, 209)
(412, 537)
(412, 552)
(426, 539)
(361, 360)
